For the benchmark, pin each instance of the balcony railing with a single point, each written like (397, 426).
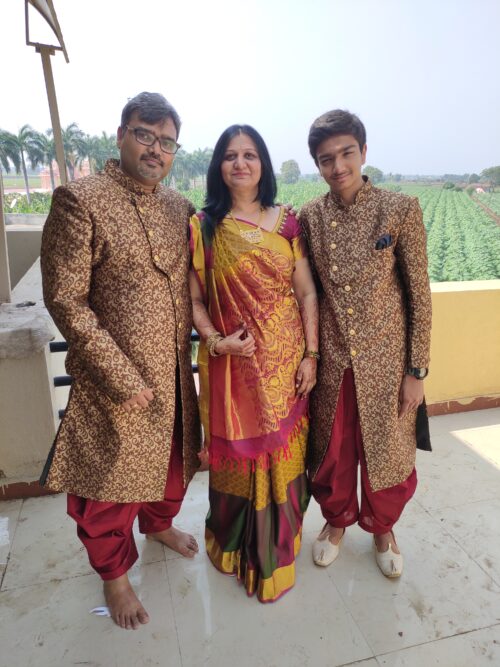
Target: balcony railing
(66, 380)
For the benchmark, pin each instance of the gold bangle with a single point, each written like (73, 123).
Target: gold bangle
(312, 354)
(211, 342)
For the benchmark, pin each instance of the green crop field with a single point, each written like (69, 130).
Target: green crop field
(492, 200)
(463, 240)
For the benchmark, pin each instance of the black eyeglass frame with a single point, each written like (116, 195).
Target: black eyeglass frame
(158, 139)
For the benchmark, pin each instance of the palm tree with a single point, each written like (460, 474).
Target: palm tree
(178, 173)
(8, 152)
(98, 150)
(88, 148)
(46, 148)
(108, 148)
(73, 139)
(202, 160)
(25, 146)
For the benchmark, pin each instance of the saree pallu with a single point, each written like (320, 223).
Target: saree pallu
(255, 427)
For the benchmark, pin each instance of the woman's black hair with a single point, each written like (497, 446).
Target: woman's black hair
(218, 198)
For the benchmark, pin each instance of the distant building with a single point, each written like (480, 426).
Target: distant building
(83, 170)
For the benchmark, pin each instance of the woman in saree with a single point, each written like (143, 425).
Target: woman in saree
(255, 308)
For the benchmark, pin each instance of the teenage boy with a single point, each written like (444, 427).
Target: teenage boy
(368, 247)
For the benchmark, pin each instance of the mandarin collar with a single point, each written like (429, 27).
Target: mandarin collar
(112, 169)
(361, 195)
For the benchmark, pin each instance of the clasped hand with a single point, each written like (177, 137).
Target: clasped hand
(241, 343)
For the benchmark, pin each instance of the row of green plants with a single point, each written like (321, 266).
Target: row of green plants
(463, 242)
(491, 199)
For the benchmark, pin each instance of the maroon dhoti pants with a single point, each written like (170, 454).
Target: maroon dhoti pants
(335, 484)
(106, 528)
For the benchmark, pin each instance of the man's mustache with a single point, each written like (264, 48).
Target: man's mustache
(152, 156)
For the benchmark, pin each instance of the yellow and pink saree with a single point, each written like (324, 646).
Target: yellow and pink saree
(255, 426)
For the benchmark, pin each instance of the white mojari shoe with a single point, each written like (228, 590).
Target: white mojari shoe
(389, 562)
(323, 551)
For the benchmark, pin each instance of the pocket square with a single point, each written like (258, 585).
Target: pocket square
(384, 242)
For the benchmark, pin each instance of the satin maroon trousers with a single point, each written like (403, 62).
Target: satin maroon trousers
(106, 528)
(335, 484)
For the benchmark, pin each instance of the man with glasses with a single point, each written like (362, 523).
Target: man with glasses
(115, 264)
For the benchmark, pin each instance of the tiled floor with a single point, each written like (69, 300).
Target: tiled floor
(444, 611)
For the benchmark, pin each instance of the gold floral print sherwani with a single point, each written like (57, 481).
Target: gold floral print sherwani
(115, 265)
(375, 315)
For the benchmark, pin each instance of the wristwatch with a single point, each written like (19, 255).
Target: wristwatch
(419, 373)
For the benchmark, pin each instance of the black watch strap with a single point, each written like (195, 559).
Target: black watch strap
(419, 373)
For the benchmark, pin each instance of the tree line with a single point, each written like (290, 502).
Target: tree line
(37, 149)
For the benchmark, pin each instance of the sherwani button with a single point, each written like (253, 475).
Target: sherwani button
(151, 233)
(156, 258)
(179, 326)
(334, 224)
(353, 353)
(177, 302)
(350, 311)
(352, 332)
(140, 209)
(333, 246)
(347, 288)
(335, 268)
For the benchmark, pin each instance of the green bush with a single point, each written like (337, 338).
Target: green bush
(15, 202)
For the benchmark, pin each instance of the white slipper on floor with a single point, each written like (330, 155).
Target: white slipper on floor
(323, 551)
(389, 562)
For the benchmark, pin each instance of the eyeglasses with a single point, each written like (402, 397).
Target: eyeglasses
(148, 138)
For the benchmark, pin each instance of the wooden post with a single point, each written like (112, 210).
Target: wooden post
(5, 294)
(46, 52)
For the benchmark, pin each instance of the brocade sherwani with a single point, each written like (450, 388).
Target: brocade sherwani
(375, 315)
(115, 265)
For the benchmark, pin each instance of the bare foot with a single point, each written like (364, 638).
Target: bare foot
(332, 533)
(382, 542)
(123, 604)
(175, 539)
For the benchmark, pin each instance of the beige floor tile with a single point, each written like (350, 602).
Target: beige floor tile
(442, 591)
(220, 626)
(346, 614)
(485, 441)
(454, 473)
(475, 527)
(464, 420)
(9, 515)
(46, 546)
(473, 649)
(49, 625)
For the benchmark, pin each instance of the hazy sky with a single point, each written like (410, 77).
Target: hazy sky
(421, 74)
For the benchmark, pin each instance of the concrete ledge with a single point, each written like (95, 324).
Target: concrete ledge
(19, 490)
(36, 219)
(463, 405)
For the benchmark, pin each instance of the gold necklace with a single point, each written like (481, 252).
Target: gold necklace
(250, 235)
